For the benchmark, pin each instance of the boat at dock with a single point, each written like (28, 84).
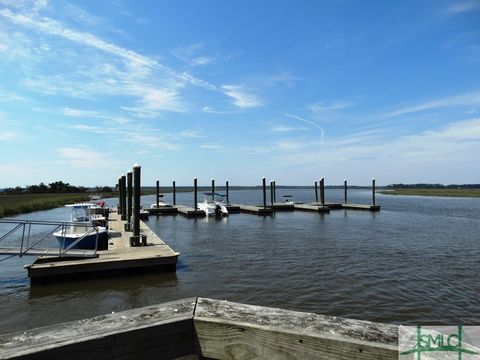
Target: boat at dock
(213, 205)
(85, 230)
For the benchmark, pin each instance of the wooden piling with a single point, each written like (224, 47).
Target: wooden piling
(226, 191)
(195, 205)
(129, 201)
(271, 192)
(213, 187)
(373, 191)
(119, 187)
(345, 189)
(316, 192)
(264, 185)
(158, 193)
(136, 204)
(322, 191)
(124, 197)
(174, 191)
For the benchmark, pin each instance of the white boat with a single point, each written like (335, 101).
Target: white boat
(161, 204)
(213, 205)
(85, 231)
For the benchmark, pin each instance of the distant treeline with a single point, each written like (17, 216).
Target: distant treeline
(56, 187)
(433, 186)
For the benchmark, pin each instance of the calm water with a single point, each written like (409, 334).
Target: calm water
(415, 261)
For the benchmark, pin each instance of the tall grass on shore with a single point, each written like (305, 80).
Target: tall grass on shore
(25, 203)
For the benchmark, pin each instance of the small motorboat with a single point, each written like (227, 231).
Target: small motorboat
(161, 204)
(213, 205)
(85, 230)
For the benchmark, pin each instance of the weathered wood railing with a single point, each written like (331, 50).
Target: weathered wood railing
(199, 327)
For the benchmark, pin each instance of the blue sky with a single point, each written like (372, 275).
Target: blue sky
(289, 90)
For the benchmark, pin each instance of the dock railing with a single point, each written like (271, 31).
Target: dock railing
(29, 244)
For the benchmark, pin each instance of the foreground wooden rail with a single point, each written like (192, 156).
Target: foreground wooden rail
(204, 328)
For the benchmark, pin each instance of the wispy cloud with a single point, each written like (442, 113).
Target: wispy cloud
(106, 70)
(322, 131)
(211, 110)
(285, 128)
(190, 134)
(192, 55)
(447, 145)
(82, 157)
(460, 100)
(211, 146)
(323, 107)
(463, 6)
(6, 135)
(8, 96)
(241, 98)
(85, 114)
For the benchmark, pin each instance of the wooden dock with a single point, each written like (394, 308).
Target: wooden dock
(199, 328)
(364, 207)
(190, 212)
(256, 210)
(314, 208)
(282, 207)
(167, 210)
(120, 258)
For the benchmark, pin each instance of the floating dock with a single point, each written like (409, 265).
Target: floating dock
(199, 328)
(256, 210)
(120, 258)
(265, 211)
(361, 207)
(312, 207)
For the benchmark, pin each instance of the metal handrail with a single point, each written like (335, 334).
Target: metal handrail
(25, 245)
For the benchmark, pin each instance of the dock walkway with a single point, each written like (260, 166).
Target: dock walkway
(119, 258)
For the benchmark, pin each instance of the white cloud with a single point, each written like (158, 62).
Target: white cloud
(463, 6)
(460, 100)
(241, 98)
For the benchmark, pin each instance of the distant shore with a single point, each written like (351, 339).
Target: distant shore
(434, 192)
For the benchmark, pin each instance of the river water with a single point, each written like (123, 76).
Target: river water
(416, 261)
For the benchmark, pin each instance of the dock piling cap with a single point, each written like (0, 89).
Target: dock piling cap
(136, 165)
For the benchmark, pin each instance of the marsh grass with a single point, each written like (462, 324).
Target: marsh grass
(434, 192)
(25, 203)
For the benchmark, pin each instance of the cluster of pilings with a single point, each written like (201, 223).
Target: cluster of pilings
(129, 192)
(318, 184)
